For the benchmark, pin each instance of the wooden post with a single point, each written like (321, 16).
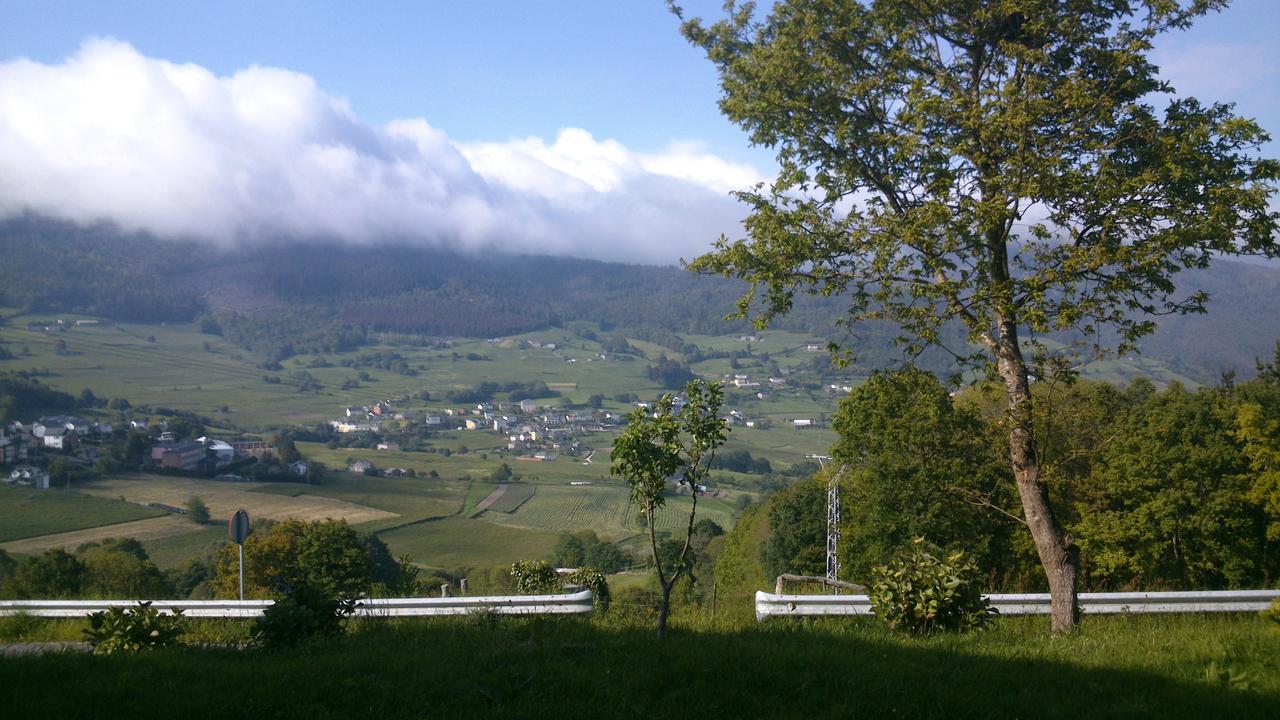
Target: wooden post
(444, 590)
(462, 587)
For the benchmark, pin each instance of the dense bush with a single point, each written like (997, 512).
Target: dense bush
(302, 612)
(132, 630)
(922, 594)
(535, 577)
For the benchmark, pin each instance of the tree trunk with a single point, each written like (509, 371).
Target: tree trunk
(664, 607)
(1057, 549)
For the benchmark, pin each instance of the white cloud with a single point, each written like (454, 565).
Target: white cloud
(176, 150)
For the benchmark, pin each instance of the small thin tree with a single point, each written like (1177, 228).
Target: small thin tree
(657, 445)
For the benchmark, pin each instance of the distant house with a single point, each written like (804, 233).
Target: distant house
(222, 451)
(802, 424)
(360, 466)
(139, 424)
(299, 468)
(389, 446)
(26, 475)
(60, 438)
(432, 420)
(186, 455)
(474, 424)
(346, 426)
(528, 406)
(357, 412)
(13, 447)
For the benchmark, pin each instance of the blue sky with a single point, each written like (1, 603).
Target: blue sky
(642, 172)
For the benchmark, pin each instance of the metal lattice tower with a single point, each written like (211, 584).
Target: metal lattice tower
(833, 527)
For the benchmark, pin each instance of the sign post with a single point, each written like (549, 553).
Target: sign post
(238, 529)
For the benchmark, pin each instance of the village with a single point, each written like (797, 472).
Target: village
(528, 430)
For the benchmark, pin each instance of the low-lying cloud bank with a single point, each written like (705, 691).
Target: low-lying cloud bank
(110, 134)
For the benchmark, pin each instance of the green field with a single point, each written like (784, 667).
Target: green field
(172, 552)
(26, 513)
(459, 543)
(515, 495)
(610, 666)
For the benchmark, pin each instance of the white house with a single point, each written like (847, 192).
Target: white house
(27, 475)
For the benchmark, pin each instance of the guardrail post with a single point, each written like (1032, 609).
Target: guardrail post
(462, 587)
(444, 590)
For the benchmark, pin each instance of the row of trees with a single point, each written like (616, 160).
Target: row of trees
(1172, 489)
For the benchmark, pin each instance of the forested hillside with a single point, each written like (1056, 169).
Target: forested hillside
(280, 299)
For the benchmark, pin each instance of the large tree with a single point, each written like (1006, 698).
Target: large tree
(1015, 166)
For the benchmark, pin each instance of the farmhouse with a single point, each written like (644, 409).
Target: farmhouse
(60, 438)
(802, 424)
(360, 466)
(300, 467)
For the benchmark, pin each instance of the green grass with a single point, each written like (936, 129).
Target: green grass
(1119, 667)
(476, 492)
(459, 542)
(26, 512)
(174, 551)
(411, 498)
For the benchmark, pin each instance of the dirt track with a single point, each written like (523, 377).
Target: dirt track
(492, 498)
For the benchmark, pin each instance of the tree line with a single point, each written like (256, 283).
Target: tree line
(1162, 489)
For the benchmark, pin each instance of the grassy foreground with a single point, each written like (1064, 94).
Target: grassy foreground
(611, 667)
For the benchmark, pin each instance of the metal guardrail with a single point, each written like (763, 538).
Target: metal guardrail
(566, 604)
(770, 605)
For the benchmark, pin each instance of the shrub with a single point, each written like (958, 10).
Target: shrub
(1273, 614)
(534, 577)
(594, 581)
(540, 578)
(921, 594)
(132, 630)
(303, 613)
